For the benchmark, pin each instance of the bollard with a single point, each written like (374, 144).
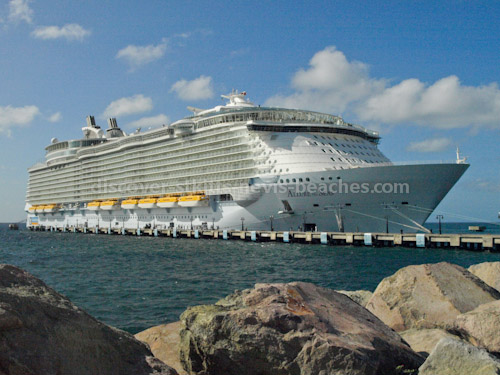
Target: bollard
(155, 232)
(253, 235)
(174, 233)
(224, 234)
(323, 238)
(196, 233)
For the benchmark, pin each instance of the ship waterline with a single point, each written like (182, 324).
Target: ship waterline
(234, 166)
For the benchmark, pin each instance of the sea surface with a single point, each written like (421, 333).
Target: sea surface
(134, 283)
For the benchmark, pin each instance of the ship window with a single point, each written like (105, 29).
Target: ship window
(315, 205)
(307, 179)
(322, 179)
(300, 179)
(281, 181)
(294, 180)
(287, 180)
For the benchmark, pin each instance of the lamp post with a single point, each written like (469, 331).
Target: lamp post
(242, 224)
(271, 218)
(387, 224)
(439, 217)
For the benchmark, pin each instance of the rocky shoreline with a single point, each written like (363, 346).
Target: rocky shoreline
(425, 319)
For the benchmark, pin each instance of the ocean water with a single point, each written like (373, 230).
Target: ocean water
(134, 283)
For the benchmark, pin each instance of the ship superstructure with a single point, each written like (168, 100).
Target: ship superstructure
(234, 165)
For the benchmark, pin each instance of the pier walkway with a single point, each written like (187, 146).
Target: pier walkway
(469, 241)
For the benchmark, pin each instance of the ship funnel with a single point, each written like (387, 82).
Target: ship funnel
(112, 123)
(91, 121)
(113, 131)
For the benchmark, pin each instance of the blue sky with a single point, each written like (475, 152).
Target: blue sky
(425, 74)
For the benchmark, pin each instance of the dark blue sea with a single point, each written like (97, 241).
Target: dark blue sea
(134, 283)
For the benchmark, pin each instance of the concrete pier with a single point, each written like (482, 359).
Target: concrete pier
(469, 241)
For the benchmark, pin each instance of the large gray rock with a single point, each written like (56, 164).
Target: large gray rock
(295, 328)
(164, 340)
(423, 341)
(489, 272)
(428, 296)
(481, 326)
(359, 296)
(455, 357)
(42, 332)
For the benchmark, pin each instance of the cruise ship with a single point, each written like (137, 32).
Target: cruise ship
(237, 165)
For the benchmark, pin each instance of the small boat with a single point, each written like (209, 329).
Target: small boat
(32, 209)
(130, 203)
(147, 202)
(477, 228)
(196, 200)
(39, 208)
(168, 201)
(94, 205)
(13, 226)
(111, 204)
(50, 208)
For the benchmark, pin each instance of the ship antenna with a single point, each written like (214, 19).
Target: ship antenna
(459, 159)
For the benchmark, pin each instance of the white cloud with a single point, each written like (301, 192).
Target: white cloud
(444, 104)
(56, 117)
(430, 145)
(146, 122)
(197, 89)
(128, 106)
(16, 116)
(140, 55)
(333, 84)
(69, 32)
(19, 10)
(240, 52)
(489, 185)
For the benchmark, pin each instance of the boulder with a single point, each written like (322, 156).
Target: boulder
(163, 340)
(456, 357)
(481, 326)
(489, 272)
(423, 341)
(428, 296)
(42, 332)
(295, 328)
(359, 296)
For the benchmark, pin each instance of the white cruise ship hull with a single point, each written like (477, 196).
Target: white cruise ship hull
(331, 205)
